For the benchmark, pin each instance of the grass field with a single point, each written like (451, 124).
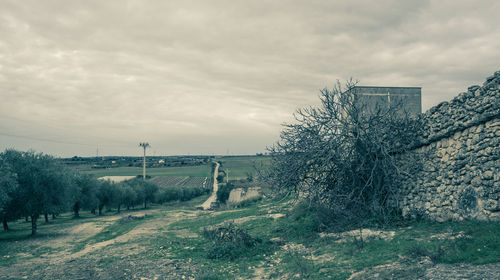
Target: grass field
(169, 244)
(192, 171)
(240, 166)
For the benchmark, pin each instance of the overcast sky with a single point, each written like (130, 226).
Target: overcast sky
(218, 77)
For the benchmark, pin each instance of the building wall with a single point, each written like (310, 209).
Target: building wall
(460, 146)
(408, 99)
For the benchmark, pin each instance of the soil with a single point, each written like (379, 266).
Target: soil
(91, 261)
(424, 269)
(213, 198)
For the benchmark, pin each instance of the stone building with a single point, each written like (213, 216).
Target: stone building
(405, 99)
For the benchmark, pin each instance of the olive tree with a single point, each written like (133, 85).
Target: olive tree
(105, 195)
(83, 193)
(145, 191)
(42, 184)
(8, 187)
(129, 196)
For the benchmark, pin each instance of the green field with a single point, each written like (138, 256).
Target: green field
(192, 171)
(240, 166)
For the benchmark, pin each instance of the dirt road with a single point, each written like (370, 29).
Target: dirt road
(213, 198)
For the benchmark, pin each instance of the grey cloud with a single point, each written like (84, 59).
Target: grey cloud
(207, 76)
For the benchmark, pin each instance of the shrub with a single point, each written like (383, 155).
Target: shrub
(301, 223)
(246, 202)
(184, 193)
(228, 241)
(223, 192)
(435, 252)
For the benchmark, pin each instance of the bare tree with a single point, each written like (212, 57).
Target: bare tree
(347, 161)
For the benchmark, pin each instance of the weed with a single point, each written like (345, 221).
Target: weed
(301, 223)
(298, 266)
(207, 275)
(246, 203)
(434, 252)
(229, 241)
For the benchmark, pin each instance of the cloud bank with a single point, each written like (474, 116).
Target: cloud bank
(217, 77)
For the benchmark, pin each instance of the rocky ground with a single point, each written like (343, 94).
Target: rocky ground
(165, 243)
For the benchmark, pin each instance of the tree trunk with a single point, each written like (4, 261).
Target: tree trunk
(118, 208)
(54, 216)
(76, 209)
(5, 225)
(46, 215)
(27, 220)
(144, 204)
(92, 211)
(33, 224)
(128, 207)
(100, 209)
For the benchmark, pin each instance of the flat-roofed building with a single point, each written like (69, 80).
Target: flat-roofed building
(404, 99)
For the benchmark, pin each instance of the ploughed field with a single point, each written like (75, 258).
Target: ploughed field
(179, 181)
(191, 171)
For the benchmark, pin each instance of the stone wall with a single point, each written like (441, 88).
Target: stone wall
(460, 177)
(239, 195)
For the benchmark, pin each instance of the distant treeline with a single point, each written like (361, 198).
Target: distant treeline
(126, 161)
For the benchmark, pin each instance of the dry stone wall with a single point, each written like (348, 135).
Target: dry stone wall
(460, 176)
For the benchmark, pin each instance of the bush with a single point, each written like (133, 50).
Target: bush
(301, 223)
(434, 252)
(174, 193)
(246, 203)
(223, 192)
(228, 241)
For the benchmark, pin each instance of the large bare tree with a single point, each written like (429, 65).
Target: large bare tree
(347, 161)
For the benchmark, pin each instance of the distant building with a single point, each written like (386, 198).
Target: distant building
(404, 99)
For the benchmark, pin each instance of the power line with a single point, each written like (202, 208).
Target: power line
(43, 139)
(59, 141)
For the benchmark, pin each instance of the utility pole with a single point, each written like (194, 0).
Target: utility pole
(144, 145)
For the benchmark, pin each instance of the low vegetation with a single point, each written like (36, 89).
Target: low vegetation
(250, 242)
(228, 241)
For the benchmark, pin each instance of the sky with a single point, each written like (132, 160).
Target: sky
(218, 77)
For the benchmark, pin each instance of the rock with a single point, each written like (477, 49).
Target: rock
(473, 88)
(476, 182)
(488, 175)
(491, 205)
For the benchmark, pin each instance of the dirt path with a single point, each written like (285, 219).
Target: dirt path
(61, 262)
(213, 198)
